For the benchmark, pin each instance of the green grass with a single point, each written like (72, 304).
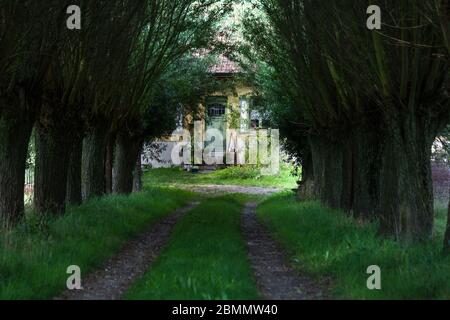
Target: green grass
(326, 242)
(34, 257)
(206, 258)
(246, 176)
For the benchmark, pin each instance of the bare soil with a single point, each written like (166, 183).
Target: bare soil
(117, 275)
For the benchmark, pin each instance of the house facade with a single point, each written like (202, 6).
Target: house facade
(230, 108)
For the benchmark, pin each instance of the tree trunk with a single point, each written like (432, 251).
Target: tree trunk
(306, 186)
(74, 196)
(406, 194)
(53, 149)
(328, 162)
(447, 234)
(127, 150)
(94, 150)
(137, 174)
(347, 176)
(109, 160)
(366, 173)
(15, 130)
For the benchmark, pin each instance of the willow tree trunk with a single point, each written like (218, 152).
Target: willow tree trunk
(406, 194)
(53, 148)
(16, 124)
(347, 193)
(366, 172)
(74, 196)
(127, 150)
(447, 234)
(109, 160)
(137, 174)
(306, 186)
(94, 148)
(328, 161)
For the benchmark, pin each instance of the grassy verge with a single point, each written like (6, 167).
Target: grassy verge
(244, 176)
(206, 258)
(34, 257)
(325, 242)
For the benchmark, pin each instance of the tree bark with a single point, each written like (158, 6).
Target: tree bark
(328, 163)
(347, 176)
(127, 150)
(16, 125)
(306, 186)
(53, 149)
(406, 194)
(109, 160)
(366, 172)
(137, 174)
(94, 149)
(447, 233)
(74, 196)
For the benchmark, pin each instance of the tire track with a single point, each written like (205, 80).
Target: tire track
(117, 275)
(275, 279)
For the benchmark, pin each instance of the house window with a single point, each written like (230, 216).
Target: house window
(216, 106)
(216, 110)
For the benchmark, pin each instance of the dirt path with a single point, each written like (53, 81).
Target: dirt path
(116, 276)
(275, 279)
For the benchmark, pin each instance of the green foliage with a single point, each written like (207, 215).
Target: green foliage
(320, 71)
(206, 258)
(325, 242)
(441, 150)
(177, 93)
(234, 118)
(34, 257)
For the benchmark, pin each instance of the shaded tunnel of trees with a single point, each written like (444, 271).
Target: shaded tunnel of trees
(91, 96)
(359, 108)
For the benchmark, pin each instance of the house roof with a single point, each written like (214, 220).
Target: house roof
(225, 66)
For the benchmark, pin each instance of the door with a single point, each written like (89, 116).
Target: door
(216, 118)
